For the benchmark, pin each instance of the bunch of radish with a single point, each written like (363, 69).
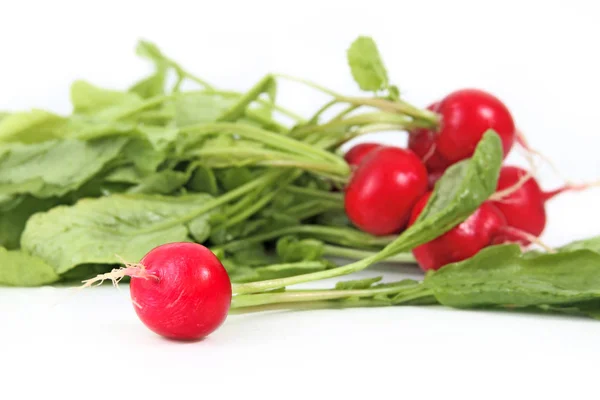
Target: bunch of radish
(390, 186)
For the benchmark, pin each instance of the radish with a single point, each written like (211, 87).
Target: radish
(465, 116)
(356, 154)
(524, 203)
(383, 190)
(461, 242)
(422, 143)
(179, 290)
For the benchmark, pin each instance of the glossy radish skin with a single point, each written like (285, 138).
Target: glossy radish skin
(383, 190)
(422, 143)
(465, 116)
(523, 209)
(356, 154)
(461, 242)
(190, 297)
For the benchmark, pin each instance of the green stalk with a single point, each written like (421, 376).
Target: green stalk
(343, 235)
(261, 286)
(312, 295)
(313, 305)
(383, 104)
(269, 138)
(151, 102)
(309, 84)
(315, 193)
(271, 158)
(311, 208)
(253, 206)
(356, 254)
(395, 106)
(284, 111)
(238, 109)
(264, 180)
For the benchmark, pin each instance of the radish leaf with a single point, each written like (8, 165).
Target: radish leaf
(54, 168)
(96, 230)
(88, 99)
(32, 127)
(502, 276)
(20, 269)
(366, 65)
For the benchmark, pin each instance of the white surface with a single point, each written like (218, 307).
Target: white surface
(540, 57)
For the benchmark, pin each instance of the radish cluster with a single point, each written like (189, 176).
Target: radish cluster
(388, 189)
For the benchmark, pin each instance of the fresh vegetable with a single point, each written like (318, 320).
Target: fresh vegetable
(383, 189)
(220, 200)
(179, 290)
(461, 242)
(422, 142)
(357, 154)
(465, 115)
(524, 204)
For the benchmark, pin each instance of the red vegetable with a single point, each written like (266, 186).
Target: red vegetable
(422, 143)
(356, 154)
(465, 116)
(181, 291)
(461, 242)
(524, 208)
(383, 190)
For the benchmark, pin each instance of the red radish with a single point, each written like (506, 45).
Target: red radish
(356, 154)
(524, 208)
(179, 290)
(461, 242)
(383, 190)
(465, 116)
(435, 176)
(422, 143)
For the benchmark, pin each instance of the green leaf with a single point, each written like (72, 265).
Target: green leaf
(232, 178)
(366, 65)
(143, 155)
(200, 108)
(20, 269)
(291, 249)
(334, 218)
(460, 191)
(54, 168)
(200, 227)
(358, 283)
(252, 256)
(162, 182)
(88, 99)
(32, 127)
(203, 180)
(162, 138)
(12, 221)
(87, 271)
(502, 276)
(592, 244)
(153, 85)
(94, 231)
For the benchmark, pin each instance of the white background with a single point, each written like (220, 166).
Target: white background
(540, 57)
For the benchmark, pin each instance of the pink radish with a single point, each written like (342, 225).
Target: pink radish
(179, 290)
